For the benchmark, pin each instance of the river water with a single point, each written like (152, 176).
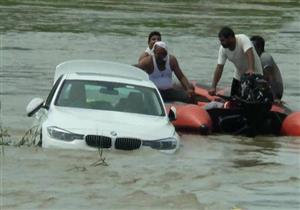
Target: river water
(208, 172)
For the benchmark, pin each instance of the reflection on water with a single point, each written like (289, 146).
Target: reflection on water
(252, 163)
(209, 172)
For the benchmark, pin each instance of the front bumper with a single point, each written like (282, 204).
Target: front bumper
(94, 142)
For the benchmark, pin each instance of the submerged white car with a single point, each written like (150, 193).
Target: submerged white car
(97, 104)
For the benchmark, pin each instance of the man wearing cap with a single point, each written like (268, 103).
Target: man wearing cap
(160, 67)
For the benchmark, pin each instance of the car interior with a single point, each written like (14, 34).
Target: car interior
(92, 96)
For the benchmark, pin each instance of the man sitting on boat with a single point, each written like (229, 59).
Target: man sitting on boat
(271, 71)
(160, 67)
(153, 37)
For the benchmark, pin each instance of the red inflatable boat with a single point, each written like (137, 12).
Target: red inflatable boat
(234, 116)
(191, 118)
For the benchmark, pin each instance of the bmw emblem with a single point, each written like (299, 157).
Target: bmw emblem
(113, 133)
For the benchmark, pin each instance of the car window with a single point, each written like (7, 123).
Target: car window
(110, 96)
(51, 94)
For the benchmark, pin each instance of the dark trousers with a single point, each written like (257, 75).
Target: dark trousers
(172, 94)
(235, 87)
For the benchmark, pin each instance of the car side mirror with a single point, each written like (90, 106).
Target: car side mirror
(172, 113)
(34, 106)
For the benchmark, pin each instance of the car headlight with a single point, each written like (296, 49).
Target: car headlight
(163, 144)
(64, 135)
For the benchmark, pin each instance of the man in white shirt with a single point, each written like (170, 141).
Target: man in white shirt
(239, 50)
(270, 69)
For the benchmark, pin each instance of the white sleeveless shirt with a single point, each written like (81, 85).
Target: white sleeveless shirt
(149, 51)
(162, 79)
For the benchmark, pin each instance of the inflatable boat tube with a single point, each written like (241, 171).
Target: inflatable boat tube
(202, 91)
(291, 125)
(191, 118)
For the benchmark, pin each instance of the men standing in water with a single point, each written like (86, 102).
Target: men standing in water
(153, 37)
(239, 50)
(160, 66)
(271, 71)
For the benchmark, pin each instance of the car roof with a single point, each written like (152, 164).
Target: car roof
(100, 67)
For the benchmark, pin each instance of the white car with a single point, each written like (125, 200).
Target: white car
(97, 104)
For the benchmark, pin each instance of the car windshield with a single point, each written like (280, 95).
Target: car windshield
(110, 96)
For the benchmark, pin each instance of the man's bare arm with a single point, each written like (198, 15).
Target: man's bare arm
(145, 64)
(143, 55)
(216, 79)
(250, 59)
(179, 74)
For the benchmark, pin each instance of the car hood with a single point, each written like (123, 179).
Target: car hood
(109, 123)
